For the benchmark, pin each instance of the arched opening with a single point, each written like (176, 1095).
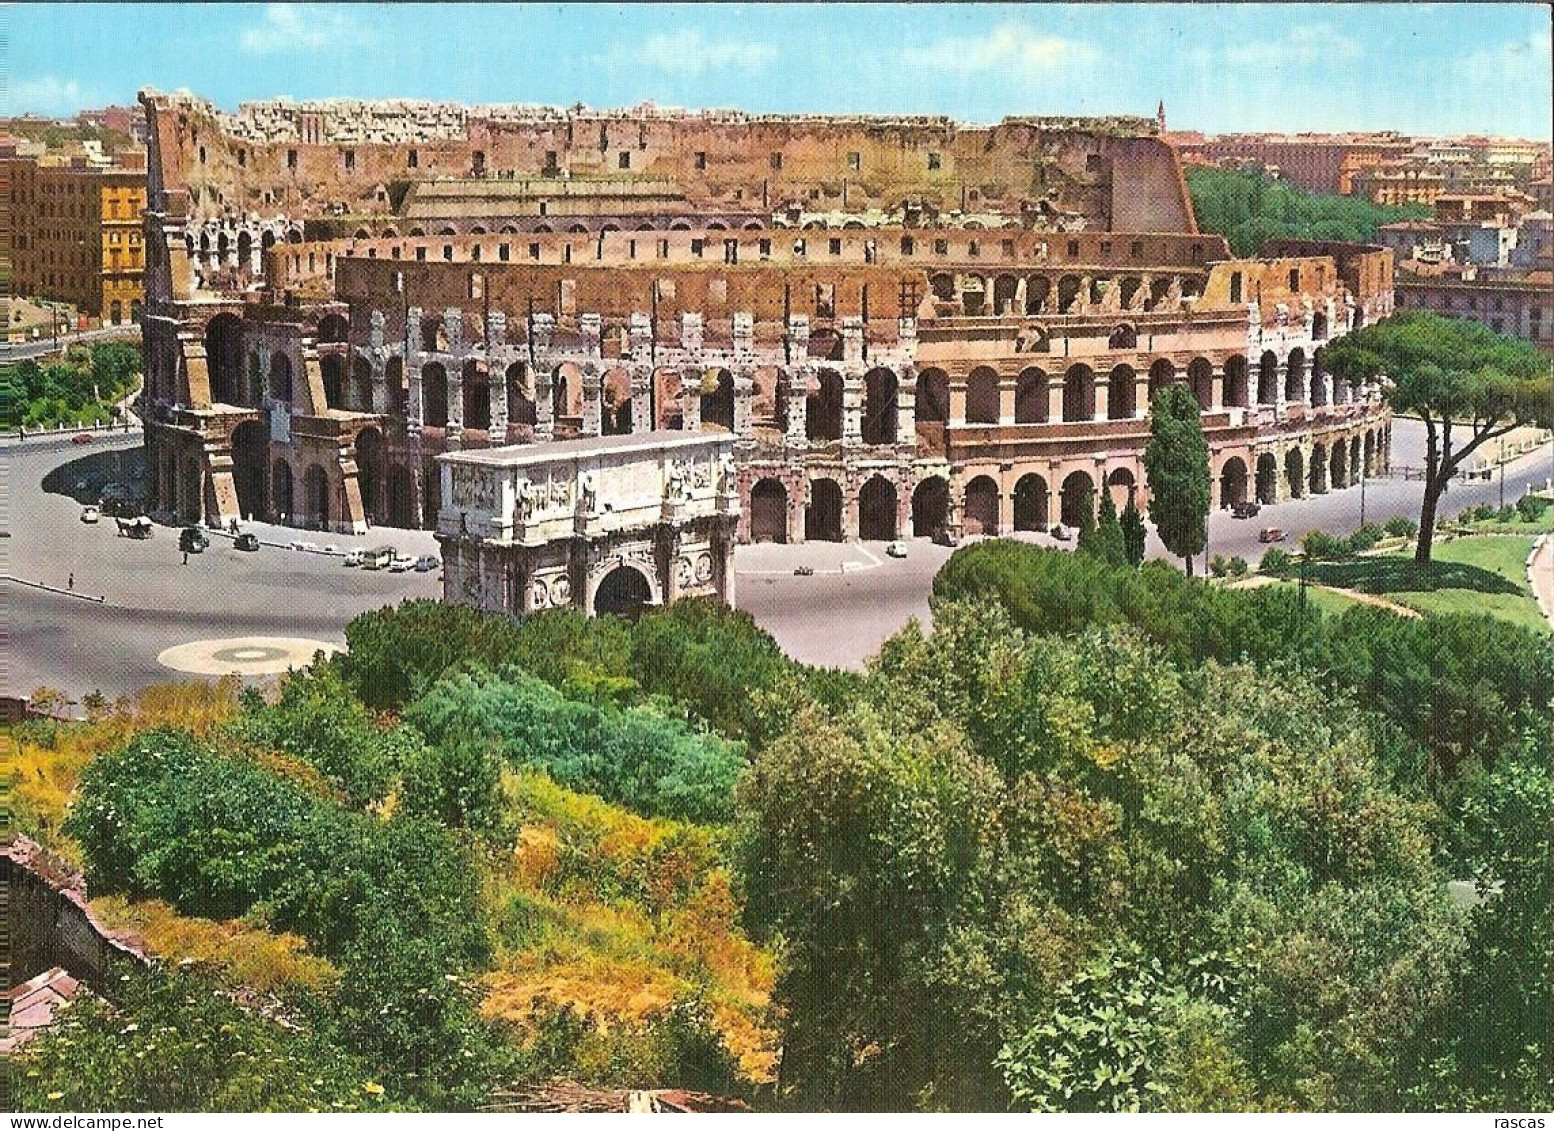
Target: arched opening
(434, 395)
(401, 497)
(250, 461)
(520, 398)
(823, 407)
(616, 410)
(191, 494)
(823, 515)
(282, 505)
(224, 358)
(624, 592)
(1319, 327)
(1161, 374)
(1295, 376)
(245, 249)
(1030, 503)
(1003, 294)
(880, 406)
(1030, 397)
(1079, 394)
(973, 296)
(1318, 395)
(1268, 379)
(315, 497)
(565, 384)
(932, 405)
(1353, 466)
(1295, 473)
(1121, 393)
(361, 385)
(280, 378)
(1123, 337)
(1037, 289)
(1235, 382)
(931, 507)
(1338, 475)
(942, 284)
(116, 312)
(769, 511)
(371, 459)
(1077, 499)
(266, 241)
(475, 388)
(1068, 293)
(877, 510)
(980, 514)
(1127, 291)
(1317, 481)
(1121, 485)
(1267, 479)
(1232, 483)
(333, 328)
(398, 391)
(1369, 453)
(434, 337)
(717, 399)
(332, 368)
(1200, 378)
(982, 396)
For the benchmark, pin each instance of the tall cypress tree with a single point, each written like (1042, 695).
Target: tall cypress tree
(1133, 533)
(1108, 543)
(1176, 465)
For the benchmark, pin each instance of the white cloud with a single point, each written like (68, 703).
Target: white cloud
(1303, 44)
(1520, 61)
(285, 27)
(686, 52)
(1008, 45)
(48, 95)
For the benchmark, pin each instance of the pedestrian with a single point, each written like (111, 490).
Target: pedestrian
(72, 583)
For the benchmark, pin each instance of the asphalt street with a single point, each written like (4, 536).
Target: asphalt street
(856, 598)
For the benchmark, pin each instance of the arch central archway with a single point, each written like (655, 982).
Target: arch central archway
(769, 511)
(250, 459)
(624, 592)
(823, 515)
(877, 510)
(931, 507)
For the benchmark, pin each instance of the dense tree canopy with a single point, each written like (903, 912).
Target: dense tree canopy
(1467, 383)
(82, 386)
(1249, 208)
(1176, 467)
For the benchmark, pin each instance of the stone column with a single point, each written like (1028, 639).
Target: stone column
(906, 407)
(544, 420)
(455, 430)
(1006, 397)
(1141, 396)
(958, 401)
(798, 405)
(642, 399)
(690, 399)
(1055, 398)
(593, 415)
(744, 392)
(1102, 396)
(852, 406)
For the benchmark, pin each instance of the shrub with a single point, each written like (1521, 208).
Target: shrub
(1401, 526)
(1506, 513)
(455, 784)
(1321, 546)
(1531, 507)
(1218, 566)
(1275, 561)
(639, 758)
(1238, 566)
(1364, 537)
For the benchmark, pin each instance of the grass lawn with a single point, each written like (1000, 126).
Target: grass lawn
(1324, 601)
(1477, 574)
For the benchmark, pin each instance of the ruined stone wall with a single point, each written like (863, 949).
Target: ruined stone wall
(733, 161)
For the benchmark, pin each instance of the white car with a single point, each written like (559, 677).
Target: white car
(896, 550)
(90, 514)
(354, 558)
(401, 564)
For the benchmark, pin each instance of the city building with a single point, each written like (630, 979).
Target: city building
(1322, 163)
(900, 326)
(1517, 303)
(76, 234)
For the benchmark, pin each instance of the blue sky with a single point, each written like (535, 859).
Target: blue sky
(1419, 68)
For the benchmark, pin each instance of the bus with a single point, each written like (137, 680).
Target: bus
(378, 558)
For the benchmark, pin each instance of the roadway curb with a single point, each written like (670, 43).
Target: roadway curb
(53, 589)
(1537, 595)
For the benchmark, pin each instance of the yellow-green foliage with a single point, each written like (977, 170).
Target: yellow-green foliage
(243, 955)
(47, 757)
(620, 918)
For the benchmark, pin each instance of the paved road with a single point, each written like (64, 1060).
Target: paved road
(43, 346)
(855, 600)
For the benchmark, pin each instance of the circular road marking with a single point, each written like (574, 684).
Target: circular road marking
(244, 655)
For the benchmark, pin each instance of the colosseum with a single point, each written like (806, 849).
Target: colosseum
(911, 327)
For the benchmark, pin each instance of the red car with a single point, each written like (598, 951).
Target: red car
(81, 438)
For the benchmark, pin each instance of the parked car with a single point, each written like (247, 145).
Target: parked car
(81, 438)
(192, 540)
(379, 557)
(401, 563)
(90, 514)
(804, 571)
(896, 550)
(427, 562)
(353, 559)
(1245, 510)
(1270, 534)
(1058, 532)
(246, 542)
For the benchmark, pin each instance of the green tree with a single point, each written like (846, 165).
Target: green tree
(455, 784)
(1176, 467)
(1453, 374)
(1133, 532)
(1249, 207)
(1108, 542)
